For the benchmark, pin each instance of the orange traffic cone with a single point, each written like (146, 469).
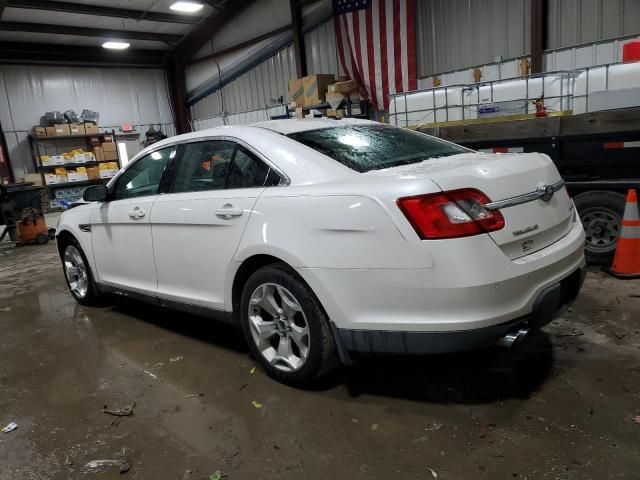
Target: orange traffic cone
(626, 263)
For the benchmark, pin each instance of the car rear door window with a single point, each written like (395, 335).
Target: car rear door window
(144, 176)
(246, 171)
(203, 166)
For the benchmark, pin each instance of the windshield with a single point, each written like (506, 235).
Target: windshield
(374, 147)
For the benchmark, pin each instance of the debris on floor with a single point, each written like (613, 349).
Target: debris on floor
(217, 475)
(252, 371)
(100, 465)
(572, 333)
(152, 375)
(10, 428)
(434, 427)
(176, 359)
(637, 419)
(433, 472)
(119, 412)
(256, 404)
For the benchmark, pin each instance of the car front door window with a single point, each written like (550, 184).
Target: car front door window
(144, 176)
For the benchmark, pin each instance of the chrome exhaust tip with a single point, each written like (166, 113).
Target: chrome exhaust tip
(512, 337)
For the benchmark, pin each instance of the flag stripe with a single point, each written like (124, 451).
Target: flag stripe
(337, 27)
(376, 42)
(383, 52)
(411, 46)
(371, 63)
(397, 44)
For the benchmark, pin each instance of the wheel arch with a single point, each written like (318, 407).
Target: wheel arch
(62, 238)
(245, 270)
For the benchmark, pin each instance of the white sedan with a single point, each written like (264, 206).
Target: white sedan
(325, 238)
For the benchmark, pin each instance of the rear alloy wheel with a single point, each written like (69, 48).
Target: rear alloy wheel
(78, 274)
(285, 326)
(601, 216)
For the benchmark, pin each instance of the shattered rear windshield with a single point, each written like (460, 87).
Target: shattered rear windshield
(374, 147)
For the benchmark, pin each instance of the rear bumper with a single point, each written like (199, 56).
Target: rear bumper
(550, 302)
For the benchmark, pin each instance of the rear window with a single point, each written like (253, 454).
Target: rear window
(363, 148)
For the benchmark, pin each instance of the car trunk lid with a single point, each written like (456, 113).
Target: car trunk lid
(532, 222)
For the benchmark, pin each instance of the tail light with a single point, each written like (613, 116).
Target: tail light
(452, 214)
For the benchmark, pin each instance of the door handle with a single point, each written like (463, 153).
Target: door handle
(136, 214)
(227, 212)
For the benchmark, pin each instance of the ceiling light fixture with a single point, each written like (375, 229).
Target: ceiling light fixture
(186, 7)
(115, 45)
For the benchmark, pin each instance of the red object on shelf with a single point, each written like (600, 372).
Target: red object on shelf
(631, 52)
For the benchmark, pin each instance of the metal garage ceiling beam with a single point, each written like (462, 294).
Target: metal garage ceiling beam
(87, 32)
(207, 28)
(40, 53)
(82, 8)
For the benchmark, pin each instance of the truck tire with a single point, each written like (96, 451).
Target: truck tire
(601, 215)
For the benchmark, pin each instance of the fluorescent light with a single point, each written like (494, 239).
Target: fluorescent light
(122, 153)
(186, 7)
(116, 45)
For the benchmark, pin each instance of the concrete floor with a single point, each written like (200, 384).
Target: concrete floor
(561, 407)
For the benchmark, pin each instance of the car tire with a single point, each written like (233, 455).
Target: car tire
(277, 340)
(78, 275)
(601, 215)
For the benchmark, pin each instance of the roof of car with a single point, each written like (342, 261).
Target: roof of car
(284, 127)
(289, 126)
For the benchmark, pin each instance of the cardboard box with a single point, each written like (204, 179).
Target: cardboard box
(332, 113)
(110, 156)
(56, 160)
(58, 130)
(296, 92)
(75, 176)
(98, 153)
(50, 179)
(299, 113)
(109, 147)
(315, 88)
(79, 158)
(93, 173)
(40, 131)
(90, 128)
(108, 173)
(343, 87)
(77, 129)
(45, 160)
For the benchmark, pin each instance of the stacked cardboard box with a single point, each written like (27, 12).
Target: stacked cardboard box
(77, 128)
(58, 130)
(310, 90)
(108, 170)
(110, 151)
(91, 128)
(77, 175)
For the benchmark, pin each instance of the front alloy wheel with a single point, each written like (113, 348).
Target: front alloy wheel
(76, 272)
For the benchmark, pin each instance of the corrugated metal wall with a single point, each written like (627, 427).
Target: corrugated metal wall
(575, 22)
(264, 86)
(564, 59)
(139, 96)
(322, 50)
(267, 84)
(454, 34)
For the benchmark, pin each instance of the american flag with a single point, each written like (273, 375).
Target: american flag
(377, 46)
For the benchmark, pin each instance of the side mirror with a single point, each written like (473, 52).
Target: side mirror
(96, 193)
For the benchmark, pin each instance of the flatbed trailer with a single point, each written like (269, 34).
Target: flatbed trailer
(597, 154)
